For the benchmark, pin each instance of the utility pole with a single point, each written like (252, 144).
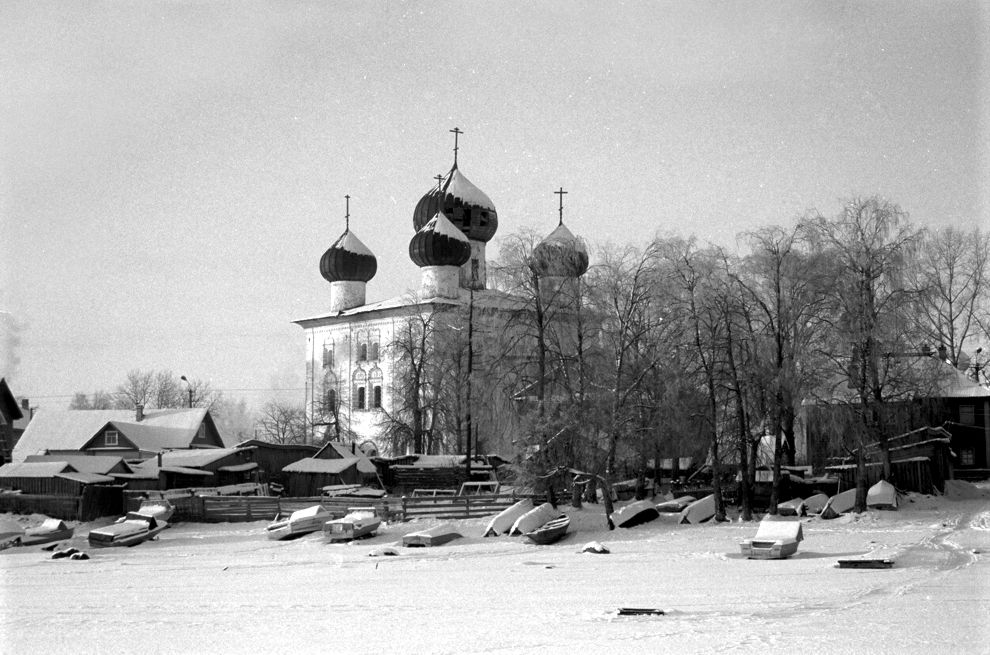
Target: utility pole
(467, 386)
(183, 378)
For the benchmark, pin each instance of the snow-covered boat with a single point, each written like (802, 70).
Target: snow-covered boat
(437, 536)
(882, 495)
(550, 531)
(775, 539)
(815, 504)
(675, 505)
(699, 511)
(134, 529)
(50, 530)
(635, 513)
(534, 518)
(502, 522)
(11, 533)
(300, 522)
(839, 504)
(793, 507)
(355, 525)
(160, 508)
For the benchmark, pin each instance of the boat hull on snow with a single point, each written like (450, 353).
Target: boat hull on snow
(303, 521)
(839, 504)
(635, 513)
(534, 518)
(134, 529)
(699, 511)
(550, 532)
(356, 525)
(433, 537)
(882, 495)
(502, 522)
(49, 531)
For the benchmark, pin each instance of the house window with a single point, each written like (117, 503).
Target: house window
(967, 457)
(111, 438)
(967, 415)
(377, 400)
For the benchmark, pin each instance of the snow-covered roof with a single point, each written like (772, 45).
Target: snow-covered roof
(464, 190)
(314, 465)
(35, 469)
(86, 478)
(72, 429)
(101, 464)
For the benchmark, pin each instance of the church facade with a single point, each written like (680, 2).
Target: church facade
(353, 356)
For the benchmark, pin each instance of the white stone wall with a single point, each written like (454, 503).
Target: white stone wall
(481, 278)
(439, 282)
(346, 294)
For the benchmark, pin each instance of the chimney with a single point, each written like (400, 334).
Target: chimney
(159, 459)
(25, 404)
(139, 413)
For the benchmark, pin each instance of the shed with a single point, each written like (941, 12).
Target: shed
(308, 476)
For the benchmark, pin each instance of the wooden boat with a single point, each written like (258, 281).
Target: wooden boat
(534, 518)
(50, 530)
(550, 532)
(134, 529)
(815, 504)
(880, 563)
(793, 507)
(635, 513)
(775, 539)
(882, 495)
(300, 522)
(502, 522)
(433, 537)
(839, 504)
(676, 505)
(160, 508)
(356, 525)
(699, 511)
(11, 534)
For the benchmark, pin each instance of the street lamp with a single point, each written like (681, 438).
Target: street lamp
(188, 384)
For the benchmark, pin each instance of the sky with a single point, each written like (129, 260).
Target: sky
(171, 172)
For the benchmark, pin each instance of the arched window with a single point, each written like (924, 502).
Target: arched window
(360, 390)
(373, 352)
(328, 354)
(375, 383)
(363, 352)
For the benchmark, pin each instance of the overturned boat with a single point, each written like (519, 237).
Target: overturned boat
(300, 522)
(793, 507)
(437, 536)
(839, 504)
(160, 508)
(356, 525)
(882, 495)
(134, 529)
(550, 532)
(699, 511)
(49, 531)
(815, 504)
(675, 505)
(502, 522)
(534, 518)
(635, 513)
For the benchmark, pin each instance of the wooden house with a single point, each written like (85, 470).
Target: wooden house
(122, 433)
(190, 468)
(50, 478)
(10, 412)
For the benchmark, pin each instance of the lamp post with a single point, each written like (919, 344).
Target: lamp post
(183, 378)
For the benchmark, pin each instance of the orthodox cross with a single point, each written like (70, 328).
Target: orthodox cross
(561, 193)
(456, 132)
(347, 214)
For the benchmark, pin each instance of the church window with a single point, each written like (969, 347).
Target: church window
(375, 382)
(360, 398)
(377, 397)
(373, 352)
(331, 400)
(360, 390)
(111, 438)
(328, 354)
(363, 352)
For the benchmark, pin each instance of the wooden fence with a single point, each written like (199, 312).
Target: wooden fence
(234, 509)
(66, 508)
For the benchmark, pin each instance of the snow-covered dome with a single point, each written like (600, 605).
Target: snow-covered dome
(467, 207)
(348, 260)
(439, 243)
(561, 254)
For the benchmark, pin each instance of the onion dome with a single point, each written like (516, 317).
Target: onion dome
(348, 260)
(561, 254)
(439, 243)
(467, 207)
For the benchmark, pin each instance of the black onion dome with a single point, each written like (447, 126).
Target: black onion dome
(439, 243)
(561, 254)
(348, 260)
(467, 207)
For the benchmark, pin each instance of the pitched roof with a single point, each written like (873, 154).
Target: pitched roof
(85, 478)
(101, 464)
(197, 457)
(313, 465)
(72, 429)
(485, 299)
(7, 400)
(35, 469)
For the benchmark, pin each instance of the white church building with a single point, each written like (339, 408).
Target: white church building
(350, 363)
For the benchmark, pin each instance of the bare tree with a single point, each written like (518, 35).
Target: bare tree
(870, 244)
(138, 389)
(281, 423)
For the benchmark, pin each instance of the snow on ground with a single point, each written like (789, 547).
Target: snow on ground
(224, 588)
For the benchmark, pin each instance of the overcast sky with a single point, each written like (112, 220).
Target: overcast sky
(171, 172)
